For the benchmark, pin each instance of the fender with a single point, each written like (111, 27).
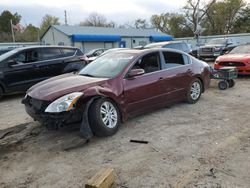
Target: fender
(114, 95)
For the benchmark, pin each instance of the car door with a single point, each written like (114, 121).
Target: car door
(144, 92)
(178, 75)
(22, 70)
(53, 62)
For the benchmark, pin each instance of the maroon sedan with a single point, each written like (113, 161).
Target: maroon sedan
(116, 86)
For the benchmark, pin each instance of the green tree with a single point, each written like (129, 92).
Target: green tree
(172, 23)
(30, 34)
(5, 18)
(5, 27)
(47, 21)
(242, 22)
(222, 16)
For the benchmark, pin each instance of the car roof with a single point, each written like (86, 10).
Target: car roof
(164, 43)
(143, 51)
(44, 46)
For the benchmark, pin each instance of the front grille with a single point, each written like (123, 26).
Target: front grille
(232, 64)
(36, 104)
(207, 49)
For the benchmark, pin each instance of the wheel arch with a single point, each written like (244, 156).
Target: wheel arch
(93, 98)
(202, 82)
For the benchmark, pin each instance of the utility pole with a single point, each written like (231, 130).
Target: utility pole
(12, 31)
(65, 17)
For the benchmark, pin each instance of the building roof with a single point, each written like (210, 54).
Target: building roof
(87, 30)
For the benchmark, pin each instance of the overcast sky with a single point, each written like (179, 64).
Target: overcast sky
(119, 11)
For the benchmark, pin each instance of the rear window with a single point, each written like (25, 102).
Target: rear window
(68, 52)
(51, 53)
(173, 59)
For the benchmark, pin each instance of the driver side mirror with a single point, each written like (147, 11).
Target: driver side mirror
(135, 72)
(12, 62)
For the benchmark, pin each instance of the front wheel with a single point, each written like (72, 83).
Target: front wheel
(104, 117)
(194, 91)
(223, 85)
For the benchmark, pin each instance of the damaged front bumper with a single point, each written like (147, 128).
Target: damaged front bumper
(36, 109)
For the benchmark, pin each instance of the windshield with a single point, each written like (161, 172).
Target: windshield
(218, 41)
(152, 46)
(7, 54)
(241, 50)
(108, 65)
(90, 52)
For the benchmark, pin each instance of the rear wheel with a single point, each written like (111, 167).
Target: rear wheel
(223, 85)
(104, 117)
(194, 91)
(231, 82)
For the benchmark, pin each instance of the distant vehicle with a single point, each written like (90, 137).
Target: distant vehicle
(215, 48)
(92, 54)
(23, 67)
(106, 51)
(239, 57)
(116, 86)
(178, 45)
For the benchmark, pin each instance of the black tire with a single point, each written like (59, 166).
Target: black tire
(194, 91)
(1, 92)
(96, 117)
(231, 82)
(223, 85)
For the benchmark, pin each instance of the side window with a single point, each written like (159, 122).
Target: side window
(150, 63)
(173, 59)
(28, 56)
(68, 52)
(50, 53)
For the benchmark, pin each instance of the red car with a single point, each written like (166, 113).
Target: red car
(116, 86)
(239, 57)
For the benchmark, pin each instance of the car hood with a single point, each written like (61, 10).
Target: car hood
(234, 57)
(211, 46)
(53, 88)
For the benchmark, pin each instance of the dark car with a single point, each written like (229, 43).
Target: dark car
(215, 48)
(116, 86)
(239, 57)
(23, 67)
(178, 45)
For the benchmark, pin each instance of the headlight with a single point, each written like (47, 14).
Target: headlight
(216, 49)
(64, 103)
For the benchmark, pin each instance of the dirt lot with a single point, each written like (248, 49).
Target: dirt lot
(201, 145)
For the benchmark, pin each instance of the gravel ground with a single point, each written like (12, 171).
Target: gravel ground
(202, 145)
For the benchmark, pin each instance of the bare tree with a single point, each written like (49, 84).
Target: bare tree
(97, 20)
(194, 13)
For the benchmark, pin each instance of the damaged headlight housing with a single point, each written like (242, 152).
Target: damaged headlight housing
(64, 103)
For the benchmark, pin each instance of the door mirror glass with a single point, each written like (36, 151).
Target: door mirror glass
(12, 62)
(136, 72)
